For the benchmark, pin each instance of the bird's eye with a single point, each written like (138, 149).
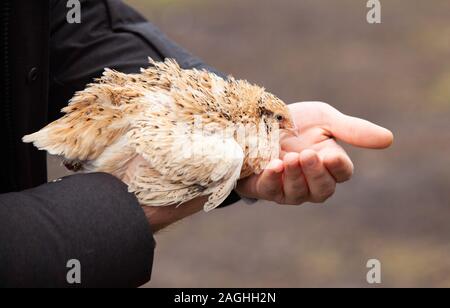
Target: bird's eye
(279, 117)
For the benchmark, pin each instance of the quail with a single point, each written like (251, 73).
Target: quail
(170, 134)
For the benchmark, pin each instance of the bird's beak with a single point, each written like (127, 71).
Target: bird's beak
(293, 131)
(292, 128)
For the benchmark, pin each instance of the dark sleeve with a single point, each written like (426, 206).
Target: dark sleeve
(111, 34)
(91, 218)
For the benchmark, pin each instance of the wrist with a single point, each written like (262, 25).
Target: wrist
(160, 217)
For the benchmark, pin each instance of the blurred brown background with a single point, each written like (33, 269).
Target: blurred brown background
(395, 209)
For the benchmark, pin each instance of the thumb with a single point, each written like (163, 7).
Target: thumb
(358, 132)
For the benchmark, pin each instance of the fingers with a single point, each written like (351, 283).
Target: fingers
(269, 184)
(321, 184)
(337, 162)
(298, 178)
(339, 166)
(357, 132)
(294, 184)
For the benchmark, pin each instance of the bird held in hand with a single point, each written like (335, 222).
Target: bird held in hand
(170, 134)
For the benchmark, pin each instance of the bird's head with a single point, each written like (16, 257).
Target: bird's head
(272, 107)
(262, 104)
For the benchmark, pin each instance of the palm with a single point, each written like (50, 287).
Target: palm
(311, 121)
(319, 125)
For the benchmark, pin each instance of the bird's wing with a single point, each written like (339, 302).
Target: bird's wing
(94, 119)
(210, 163)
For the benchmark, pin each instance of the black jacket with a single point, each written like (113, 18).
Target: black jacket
(90, 218)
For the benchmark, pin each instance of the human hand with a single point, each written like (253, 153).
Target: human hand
(312, 163)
